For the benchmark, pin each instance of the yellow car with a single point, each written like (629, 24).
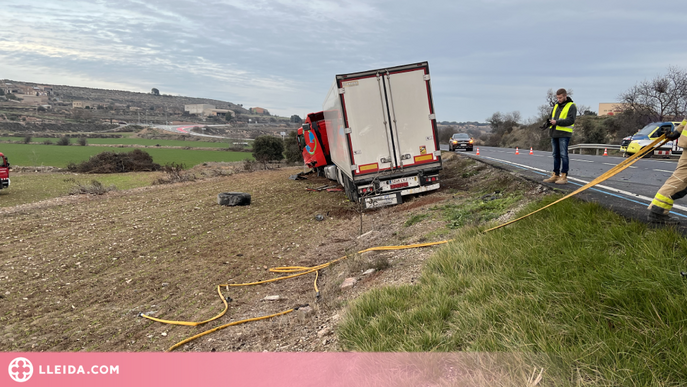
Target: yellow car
(647, 135)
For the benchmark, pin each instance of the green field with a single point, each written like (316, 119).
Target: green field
(136, 141)
(31, 188)
(60, 156)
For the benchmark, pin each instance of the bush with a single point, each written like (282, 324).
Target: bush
(95, 188)
(175, 174)
(27, 139)
(293, 151)
(268, 148)
(64, 140)
(111, 162)
(82, 141)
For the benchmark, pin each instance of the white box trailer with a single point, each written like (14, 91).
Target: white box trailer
(382, 134)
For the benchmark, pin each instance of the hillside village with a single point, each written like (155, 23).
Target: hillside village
(59, 103)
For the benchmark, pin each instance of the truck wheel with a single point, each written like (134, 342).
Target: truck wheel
(351, 190)
(233, 199)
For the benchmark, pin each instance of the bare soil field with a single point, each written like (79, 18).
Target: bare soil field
(76, 272)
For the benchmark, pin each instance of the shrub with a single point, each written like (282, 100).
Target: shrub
(175, 174)
(293, 151)
(249, 165)
(82, 141)
(268, 148)
(27, 139)
(95, 188)
(111, 162)
(64, 140)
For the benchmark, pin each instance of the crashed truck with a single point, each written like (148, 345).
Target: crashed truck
(376, 135)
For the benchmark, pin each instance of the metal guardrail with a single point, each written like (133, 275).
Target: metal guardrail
(597, 147)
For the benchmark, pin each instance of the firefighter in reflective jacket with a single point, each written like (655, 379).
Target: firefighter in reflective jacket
(676, 185)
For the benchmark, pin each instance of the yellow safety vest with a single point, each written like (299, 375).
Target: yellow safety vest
(564, 115)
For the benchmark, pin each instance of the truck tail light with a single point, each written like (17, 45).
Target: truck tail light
(430, 179)
(366, 190)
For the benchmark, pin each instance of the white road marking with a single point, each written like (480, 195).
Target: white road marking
(584, 161)
(584, 182)
(661, 170)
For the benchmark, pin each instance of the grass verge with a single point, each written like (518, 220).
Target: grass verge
(601, 297)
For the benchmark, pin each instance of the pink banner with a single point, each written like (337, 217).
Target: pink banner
(261, 369)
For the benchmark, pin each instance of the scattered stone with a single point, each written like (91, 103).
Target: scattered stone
(369, 271)
(233, 199)
(319, 217)
(348, 283)
(324, 332)
(305, 312)
(164, 333)
(366, 234)
(272, 298)
(165, 284)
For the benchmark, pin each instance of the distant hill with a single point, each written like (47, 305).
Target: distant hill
(68, 94)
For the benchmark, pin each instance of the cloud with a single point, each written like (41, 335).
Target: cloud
(485, 56)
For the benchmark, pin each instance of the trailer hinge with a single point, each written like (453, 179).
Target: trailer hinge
(437, 153)
(354, 167)
(432, 116)
(342, 90)
(426, 77)
(347, 131)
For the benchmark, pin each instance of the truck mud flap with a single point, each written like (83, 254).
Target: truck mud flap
(383, 200)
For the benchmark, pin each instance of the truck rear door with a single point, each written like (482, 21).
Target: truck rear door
(391, 120)
(412, 116)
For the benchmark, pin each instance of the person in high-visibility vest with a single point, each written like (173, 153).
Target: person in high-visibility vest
(561, 126)
(676, 185)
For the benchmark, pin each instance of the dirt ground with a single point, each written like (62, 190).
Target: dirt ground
(76, 272)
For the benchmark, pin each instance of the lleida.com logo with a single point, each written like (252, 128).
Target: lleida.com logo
(20, 369)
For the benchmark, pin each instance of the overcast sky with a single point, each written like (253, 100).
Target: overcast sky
(484, 56)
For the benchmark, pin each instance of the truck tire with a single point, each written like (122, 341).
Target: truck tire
(233, 199)
(351, 189)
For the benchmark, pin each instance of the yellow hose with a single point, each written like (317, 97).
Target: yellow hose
(193, 323)
(179, 344)
(298, 270)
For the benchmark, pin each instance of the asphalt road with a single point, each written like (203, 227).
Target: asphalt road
(627, 193)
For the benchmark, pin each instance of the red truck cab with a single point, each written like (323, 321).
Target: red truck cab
(4, 172)
(312, 140)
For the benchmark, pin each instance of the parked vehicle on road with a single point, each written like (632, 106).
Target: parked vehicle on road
(4, 172)
(461, 141)
(382, 134)
(645, 136)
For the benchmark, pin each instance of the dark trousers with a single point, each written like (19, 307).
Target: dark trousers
(560, 154)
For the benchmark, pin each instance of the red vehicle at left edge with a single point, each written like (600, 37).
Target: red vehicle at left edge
(4, 172)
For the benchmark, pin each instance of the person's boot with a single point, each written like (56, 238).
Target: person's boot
(563, 179)
(658, 215)
(551, 179)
